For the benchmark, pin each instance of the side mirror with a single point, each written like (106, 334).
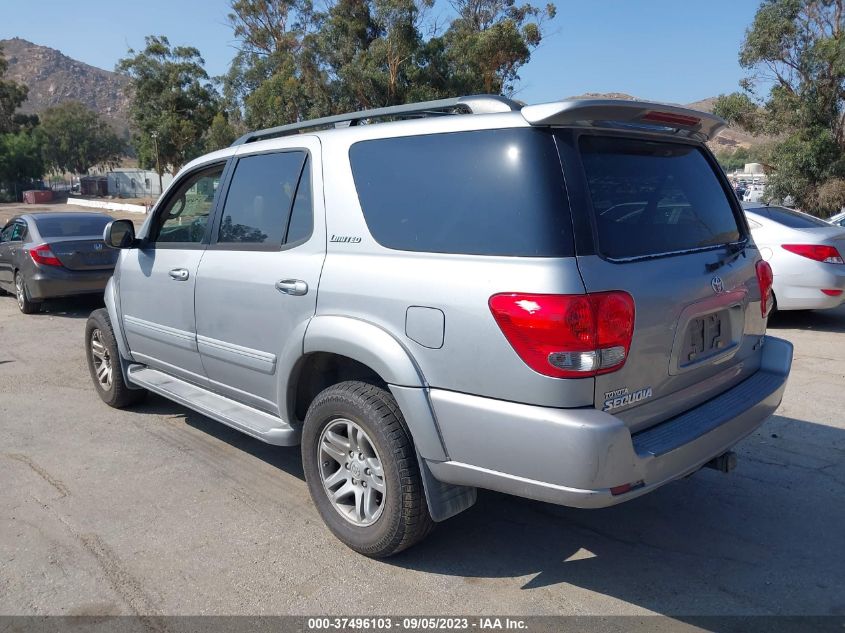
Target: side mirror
(119, 234)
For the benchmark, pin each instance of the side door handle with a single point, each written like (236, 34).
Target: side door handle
(179, 274)
(295, 287)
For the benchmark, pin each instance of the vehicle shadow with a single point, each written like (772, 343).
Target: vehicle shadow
(763, 540)
(284, 458)
(71, 308)
(818, 320)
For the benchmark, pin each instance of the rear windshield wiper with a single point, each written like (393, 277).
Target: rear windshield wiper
(734, 251)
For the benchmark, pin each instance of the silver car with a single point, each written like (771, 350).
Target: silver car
(805, 253)
(558, 301)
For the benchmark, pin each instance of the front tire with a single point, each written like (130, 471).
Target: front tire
(104, 363)
(362, 470)
(26, 305)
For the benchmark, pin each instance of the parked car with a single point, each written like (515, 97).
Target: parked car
(805, 253)
(558, 301)
(838, 219)
(49, 255)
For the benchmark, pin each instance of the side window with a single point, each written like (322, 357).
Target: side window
(259, 200)
(302, 215)
(184, 218)
(14, 232)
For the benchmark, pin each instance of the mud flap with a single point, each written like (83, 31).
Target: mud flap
(444, 500)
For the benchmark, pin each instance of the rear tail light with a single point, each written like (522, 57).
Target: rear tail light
(567, 336)
(818, 252)
(43, 255)
(765, 278)
(832, 292)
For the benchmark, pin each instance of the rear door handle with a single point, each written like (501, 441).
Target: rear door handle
(179, 274)
(295, 287)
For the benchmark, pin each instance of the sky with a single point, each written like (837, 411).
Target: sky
(667, 50)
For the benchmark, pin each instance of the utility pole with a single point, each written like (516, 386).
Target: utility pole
(154, 136)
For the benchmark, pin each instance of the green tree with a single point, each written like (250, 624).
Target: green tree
(490, 40)
(20, 158)
(296, 63)
(173, 103)
(221, 133)
(20, 147)
(12, 96)
(798, 47)
(75, 139)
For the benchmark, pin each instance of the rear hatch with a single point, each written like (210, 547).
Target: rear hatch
(664, 228)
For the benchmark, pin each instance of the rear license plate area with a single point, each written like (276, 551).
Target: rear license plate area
(707, 336)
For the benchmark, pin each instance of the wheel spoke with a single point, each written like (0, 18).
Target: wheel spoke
(374, 464)
(360, 511)
(335, 452)
(336, 477)
(370, 503)
(103, 372)
(345, 490)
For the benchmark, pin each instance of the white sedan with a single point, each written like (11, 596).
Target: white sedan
(806, 255)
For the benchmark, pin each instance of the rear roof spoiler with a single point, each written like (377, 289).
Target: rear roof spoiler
(605, 113)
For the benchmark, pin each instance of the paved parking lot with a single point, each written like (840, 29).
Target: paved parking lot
(159, 510)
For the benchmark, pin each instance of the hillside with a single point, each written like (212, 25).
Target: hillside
(730, 138)
(54, 78)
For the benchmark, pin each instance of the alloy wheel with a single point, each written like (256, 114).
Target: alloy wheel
(102, 360)
(351, 472)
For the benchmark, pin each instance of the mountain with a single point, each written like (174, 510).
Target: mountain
(729, 139)
(54, 78)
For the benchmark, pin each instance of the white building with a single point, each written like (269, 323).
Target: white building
(133, 182)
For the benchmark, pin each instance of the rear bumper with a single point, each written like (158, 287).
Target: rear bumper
(47, 284)
(803, 291)
(574, 457)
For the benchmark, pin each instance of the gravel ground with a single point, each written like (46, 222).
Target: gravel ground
(158, 510)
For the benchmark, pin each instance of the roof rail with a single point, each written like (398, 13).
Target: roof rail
(475, 104)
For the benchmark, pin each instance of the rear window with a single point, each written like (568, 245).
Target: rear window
(789, 217)
(652, 198)
(69, 226)
(491, 192)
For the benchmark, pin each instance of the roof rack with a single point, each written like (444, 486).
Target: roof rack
(475, 104)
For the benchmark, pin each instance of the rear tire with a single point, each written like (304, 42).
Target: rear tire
(104, 363)
(26, 305)
(382, 508)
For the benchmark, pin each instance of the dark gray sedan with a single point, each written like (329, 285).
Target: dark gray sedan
(47, 255)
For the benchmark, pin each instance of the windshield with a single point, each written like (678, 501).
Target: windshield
(72, 226)
(651, 198)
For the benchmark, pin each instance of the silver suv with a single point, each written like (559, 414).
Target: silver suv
(557, 301)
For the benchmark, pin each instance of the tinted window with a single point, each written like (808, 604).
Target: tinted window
(184, 218)
(70, 226)
(788, 217)
(302, 215)
(493, 192)
(652, 197)
(259, 200)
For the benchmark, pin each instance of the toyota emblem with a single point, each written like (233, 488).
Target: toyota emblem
(717, 284)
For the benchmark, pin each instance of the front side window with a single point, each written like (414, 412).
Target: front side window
(258, 203)
(184, 218)
(652, 198)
